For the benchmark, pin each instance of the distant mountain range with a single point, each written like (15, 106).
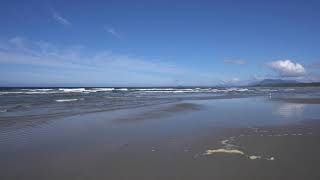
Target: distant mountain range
(283, 83)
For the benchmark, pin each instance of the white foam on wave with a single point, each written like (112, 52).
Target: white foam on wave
(66, 100)
(38, 89)
(221, 150)
(242, 89)
(25, 92)
(231, 90)
(167, 91)
(102, 89)
(39, 92)
(29, 91)
(252, 157)
(236, 152)
(175, 90)
(289, 89)
(268, 90)
(142, 90)
(93, 90)
(216, 90)
(122, 89)
(228, 147)
(270, 159)
(8, 92)
(227, 144)
(154, 89)
(83, 90)
(72, 89)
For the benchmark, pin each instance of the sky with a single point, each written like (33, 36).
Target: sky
(158, 43)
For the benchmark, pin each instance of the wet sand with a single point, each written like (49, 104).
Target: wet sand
(299, 100)
(156, 113)
(189, 140)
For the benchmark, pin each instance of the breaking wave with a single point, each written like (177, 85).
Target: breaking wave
(66, 100)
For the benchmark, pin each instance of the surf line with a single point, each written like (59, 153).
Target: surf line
(229, 148)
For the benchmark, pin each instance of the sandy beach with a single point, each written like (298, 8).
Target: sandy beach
(190, 139)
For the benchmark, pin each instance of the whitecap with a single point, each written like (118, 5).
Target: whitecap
(242, 89)
(102, 89)
(38, 89)
(66, 100)
(70, 90)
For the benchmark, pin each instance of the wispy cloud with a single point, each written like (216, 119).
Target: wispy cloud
(257, 77)
(17, 41)
(20, 51)
(63, 21)
(103, 66)
(235, 61)
(233, 80)
(112, 31)
(314, 65)
(287, 68)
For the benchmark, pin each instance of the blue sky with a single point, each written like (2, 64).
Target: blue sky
(157, 43)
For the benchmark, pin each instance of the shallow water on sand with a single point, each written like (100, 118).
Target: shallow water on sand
(164, 141)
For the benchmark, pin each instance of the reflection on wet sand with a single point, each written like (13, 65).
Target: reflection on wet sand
(299, 100)
(288, 110)
(208, 139)
(161, 112)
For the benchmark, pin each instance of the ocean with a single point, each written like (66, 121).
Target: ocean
(48, 102)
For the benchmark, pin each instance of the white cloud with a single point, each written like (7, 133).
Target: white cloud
(258, 77)
(112, 31)
(287, 68)
(237, 62)
(231, 81)
(56, 16)
(235, 79)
